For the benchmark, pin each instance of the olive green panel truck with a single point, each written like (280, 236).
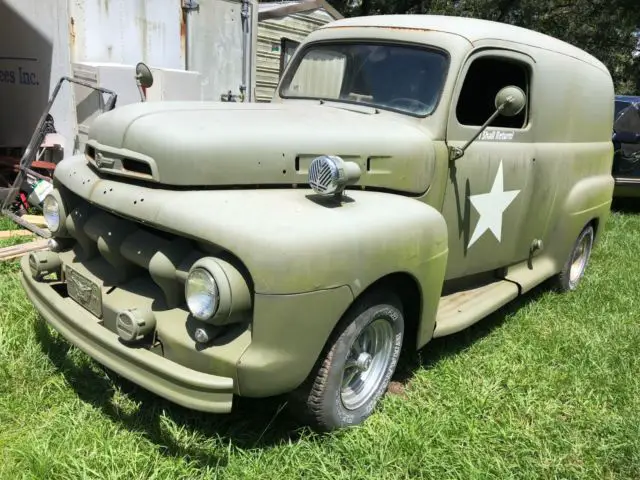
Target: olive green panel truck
(411, 175)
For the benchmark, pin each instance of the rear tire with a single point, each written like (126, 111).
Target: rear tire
(356, 366)
(573, 270)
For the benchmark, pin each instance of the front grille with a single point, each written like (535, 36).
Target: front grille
(136, 166)
(132, 250)
(111, 163)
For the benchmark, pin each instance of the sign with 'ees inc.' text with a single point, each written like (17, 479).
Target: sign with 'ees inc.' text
(19, 74)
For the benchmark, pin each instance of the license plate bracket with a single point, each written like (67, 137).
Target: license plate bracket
(83, 291)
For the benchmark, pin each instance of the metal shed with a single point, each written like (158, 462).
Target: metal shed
(281, 28)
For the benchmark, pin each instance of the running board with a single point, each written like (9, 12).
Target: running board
(462, 309)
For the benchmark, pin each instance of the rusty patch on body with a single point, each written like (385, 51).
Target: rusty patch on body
(72, 31)
(183, 34)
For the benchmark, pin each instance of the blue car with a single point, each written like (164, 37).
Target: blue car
(623, 101)
(626, 142)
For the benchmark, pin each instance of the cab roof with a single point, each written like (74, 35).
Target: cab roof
(472, 29)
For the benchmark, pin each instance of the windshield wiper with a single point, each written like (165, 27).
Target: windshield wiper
(354, 107)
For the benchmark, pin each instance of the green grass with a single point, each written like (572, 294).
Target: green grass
(546, 388)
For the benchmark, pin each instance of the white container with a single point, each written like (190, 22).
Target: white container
(172, 84)
(41, 41)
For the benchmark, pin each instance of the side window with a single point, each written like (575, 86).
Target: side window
(485, 77)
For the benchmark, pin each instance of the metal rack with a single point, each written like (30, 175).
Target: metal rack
(30, 155)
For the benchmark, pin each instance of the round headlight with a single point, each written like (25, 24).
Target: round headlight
(201, 292)
(51, 213)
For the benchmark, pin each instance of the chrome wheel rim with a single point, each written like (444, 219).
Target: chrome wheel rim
(367, 363)
(579, 259)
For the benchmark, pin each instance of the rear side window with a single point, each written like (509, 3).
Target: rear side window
(485, 77)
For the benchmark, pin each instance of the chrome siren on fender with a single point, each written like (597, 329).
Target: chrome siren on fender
(330, 175)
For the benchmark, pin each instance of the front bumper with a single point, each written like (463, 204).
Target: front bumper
(177, 383)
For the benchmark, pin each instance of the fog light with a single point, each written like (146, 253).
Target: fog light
(59, 244)
(44, 263)
(202, 336)
(53, 245)
(132, 325)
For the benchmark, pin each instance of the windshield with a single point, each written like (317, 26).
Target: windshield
(396, 77)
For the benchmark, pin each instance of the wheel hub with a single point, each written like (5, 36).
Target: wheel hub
(363, 362)
(367, 363)
(579, 259)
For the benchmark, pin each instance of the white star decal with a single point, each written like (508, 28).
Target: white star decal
(490, 207)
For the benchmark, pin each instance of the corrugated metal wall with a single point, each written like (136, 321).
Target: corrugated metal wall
(319, 74)
(270, 33)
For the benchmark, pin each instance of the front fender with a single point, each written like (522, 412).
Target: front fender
(308, 259)
(289, 241)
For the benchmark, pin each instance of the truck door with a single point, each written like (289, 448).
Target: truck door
(489, 199)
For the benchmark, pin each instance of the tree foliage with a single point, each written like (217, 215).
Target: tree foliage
(604, 28)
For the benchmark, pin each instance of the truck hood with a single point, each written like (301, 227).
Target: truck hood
(192, 144)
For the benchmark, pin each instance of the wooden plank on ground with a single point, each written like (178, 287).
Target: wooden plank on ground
(16, 251)
(37, 220)
(15, 233)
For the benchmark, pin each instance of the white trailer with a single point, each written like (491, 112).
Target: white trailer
(213, 50)
(200, 49)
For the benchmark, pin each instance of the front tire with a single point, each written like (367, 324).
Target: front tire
(573, 270)
(356, 366)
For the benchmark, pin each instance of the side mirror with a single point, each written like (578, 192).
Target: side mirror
(509, 102)
(144, 79)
